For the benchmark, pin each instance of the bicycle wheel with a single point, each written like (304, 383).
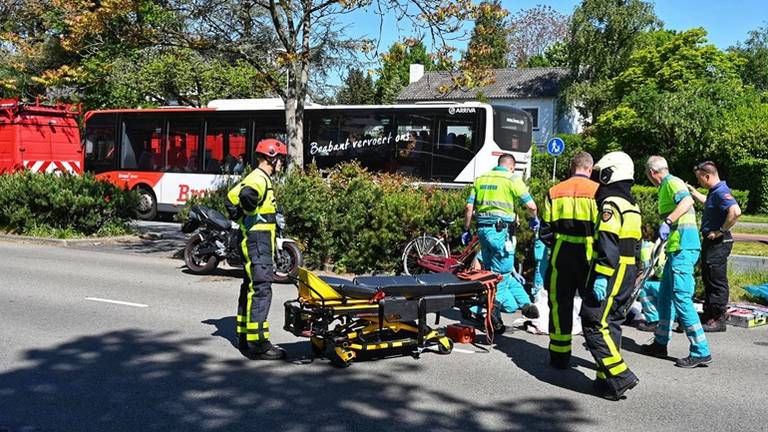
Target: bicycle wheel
(419, 247)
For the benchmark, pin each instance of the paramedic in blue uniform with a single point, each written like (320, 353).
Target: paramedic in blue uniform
(721, 211)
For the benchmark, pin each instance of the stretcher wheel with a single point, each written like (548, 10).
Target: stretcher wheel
(341, 357)
(444, 345)
(318, 346)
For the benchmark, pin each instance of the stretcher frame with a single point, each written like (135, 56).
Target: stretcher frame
(344, 328)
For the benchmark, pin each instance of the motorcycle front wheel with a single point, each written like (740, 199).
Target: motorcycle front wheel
(196, 263)
(288, 262)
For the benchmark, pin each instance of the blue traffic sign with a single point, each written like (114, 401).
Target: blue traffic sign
(555, 146)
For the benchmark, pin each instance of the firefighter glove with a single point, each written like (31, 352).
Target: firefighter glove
(600, 287)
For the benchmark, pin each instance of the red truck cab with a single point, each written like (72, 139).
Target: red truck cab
(41, 138)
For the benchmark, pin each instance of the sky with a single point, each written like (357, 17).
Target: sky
(726, 21)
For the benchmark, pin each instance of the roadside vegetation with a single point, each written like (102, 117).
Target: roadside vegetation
(63, 206)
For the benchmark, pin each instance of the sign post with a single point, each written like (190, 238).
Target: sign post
(555, 147)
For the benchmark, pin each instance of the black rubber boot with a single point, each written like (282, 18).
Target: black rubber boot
(647, 326)
(618, 394)
(654, 349)
(714, 325)
(498, 324)
(263, 351)
(530, 311)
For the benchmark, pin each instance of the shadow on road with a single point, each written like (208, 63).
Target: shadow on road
(535, 360)
(236, 273)
(135, 380)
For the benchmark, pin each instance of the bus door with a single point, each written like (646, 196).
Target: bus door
(414, 143)
(183, 162)
(457, 143)
(142, 154)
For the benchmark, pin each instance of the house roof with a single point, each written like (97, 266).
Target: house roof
(510, 84)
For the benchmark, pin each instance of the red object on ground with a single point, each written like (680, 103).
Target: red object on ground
(41, 138)
(460, 333)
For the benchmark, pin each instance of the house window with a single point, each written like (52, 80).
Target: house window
(534, 112)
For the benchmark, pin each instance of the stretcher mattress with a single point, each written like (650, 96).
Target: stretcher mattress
(365, 287)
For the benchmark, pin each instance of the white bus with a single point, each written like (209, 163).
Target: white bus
(169, 155)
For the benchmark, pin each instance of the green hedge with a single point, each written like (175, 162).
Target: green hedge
(63, 205)
(360, 221)
(751, 175)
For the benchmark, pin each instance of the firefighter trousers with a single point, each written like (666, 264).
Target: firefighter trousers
(566, 274)
(601, 322)
(256, 291)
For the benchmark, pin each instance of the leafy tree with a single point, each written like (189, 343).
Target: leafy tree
(358, 89)
(293, 37)
(394, 74)
(165, 76)
(602, 36)
(677, 97)
(488, 46)
(534, 33)
(754, 55)
(554, 56)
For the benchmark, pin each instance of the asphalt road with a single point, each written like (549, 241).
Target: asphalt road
(165, 362)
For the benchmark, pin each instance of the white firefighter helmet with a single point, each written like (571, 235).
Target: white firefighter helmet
(614, 167)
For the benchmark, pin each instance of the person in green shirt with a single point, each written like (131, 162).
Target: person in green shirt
(493, 199)
(679, 229)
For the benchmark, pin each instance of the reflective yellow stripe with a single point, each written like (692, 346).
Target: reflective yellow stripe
(252, 337)
(572, 239)
(266, 335)
(560, 349)
(604, 321)
(604, 270)
(553, 287)
(253, 326)
(241, 329)
(265, 324)
(618, 369)
(627, 260)
(397, 344)
(560, 337)
(601, 375)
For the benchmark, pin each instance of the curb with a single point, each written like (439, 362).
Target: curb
(48, 241)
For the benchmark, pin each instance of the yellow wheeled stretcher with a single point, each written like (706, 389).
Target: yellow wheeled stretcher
(381, 315)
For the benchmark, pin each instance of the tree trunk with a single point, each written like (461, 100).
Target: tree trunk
(294, 119)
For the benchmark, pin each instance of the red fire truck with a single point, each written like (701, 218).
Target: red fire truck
(38, 137)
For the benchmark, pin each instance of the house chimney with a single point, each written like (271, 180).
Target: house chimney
(416, 72)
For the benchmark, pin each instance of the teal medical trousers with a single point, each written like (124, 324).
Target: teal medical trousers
(676, 299)
(510, 294)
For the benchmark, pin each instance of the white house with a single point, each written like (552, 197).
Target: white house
(534, 90)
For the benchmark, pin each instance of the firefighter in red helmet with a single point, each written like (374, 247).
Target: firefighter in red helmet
(253, 202)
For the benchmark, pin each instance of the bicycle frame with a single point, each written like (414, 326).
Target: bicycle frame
(454, 262)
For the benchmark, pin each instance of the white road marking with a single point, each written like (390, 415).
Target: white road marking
(140, 305)
(463, 351)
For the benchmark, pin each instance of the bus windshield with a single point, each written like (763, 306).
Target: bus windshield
(511, 129)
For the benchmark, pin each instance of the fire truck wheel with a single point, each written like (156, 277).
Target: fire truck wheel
(147, 208)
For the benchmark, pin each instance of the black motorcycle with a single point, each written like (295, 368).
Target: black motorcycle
(218, 239)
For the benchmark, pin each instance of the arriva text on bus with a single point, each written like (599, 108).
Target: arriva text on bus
(315, 148)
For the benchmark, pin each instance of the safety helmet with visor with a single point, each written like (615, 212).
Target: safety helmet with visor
(614, 167)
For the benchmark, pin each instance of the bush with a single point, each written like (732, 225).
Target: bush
(360, 221)
(751, 175)
(63, 205)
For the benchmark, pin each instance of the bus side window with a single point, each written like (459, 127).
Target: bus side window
(456, 145)
(100, 148)
(183, 145)
(141, 149)
(413, 149)
(225, 143)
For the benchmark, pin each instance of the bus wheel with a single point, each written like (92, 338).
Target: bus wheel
(147, 208)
